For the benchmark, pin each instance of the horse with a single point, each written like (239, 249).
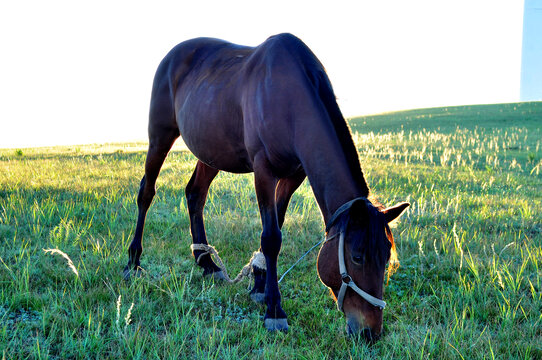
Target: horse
(271, 110)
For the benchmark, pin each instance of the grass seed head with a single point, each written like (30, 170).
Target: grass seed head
(65, 256)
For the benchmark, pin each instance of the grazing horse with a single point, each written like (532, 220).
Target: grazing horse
(270, 110)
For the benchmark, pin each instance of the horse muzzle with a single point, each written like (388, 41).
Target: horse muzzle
(355, 329)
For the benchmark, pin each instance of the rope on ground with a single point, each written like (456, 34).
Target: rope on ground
(302, 256)
(257, 260)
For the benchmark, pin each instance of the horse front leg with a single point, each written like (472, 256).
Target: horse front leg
(271, 240)
(284, 191)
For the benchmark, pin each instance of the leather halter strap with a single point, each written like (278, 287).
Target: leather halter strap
(347, 281)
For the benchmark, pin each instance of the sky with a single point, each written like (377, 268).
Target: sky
(76, 72)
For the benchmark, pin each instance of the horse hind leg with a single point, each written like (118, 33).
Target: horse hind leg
(159, 147)
(196, 195)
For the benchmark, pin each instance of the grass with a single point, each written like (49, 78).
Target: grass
(470, 246)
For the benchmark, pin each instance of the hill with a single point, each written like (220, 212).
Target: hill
(529, 114)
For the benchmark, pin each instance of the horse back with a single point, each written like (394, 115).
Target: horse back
(229, 101)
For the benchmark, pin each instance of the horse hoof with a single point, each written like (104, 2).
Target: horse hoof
(257, 297)
(216, 276)
(276, 324)
(127, 272)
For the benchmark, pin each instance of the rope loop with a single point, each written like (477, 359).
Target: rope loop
(257, 260)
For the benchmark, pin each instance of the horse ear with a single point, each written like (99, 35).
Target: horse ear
(393, 212)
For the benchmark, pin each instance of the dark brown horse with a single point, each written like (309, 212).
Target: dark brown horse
(270, 110)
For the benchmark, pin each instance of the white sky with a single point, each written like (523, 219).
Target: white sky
(75, 72)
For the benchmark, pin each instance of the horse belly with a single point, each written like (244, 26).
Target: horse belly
(215, 140)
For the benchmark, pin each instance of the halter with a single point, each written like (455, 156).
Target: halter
(347, 281)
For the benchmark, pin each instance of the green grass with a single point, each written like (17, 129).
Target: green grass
(469, 285)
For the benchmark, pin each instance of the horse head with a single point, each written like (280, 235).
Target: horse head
(352, 262)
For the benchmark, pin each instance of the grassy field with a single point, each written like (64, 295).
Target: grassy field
(469, 285)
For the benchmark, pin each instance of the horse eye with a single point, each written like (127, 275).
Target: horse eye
(358, 259)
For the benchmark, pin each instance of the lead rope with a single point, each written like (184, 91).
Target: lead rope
(257, 260)
(305, 254)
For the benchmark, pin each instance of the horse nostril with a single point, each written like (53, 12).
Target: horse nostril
(352, 327)
(366, 334)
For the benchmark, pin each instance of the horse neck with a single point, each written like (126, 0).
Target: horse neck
(327, 167)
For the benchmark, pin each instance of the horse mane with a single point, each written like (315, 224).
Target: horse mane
(394, 259)
(342, 129)
(373, 247)
(317, 75)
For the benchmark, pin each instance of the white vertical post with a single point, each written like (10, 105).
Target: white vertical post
(531, 55)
